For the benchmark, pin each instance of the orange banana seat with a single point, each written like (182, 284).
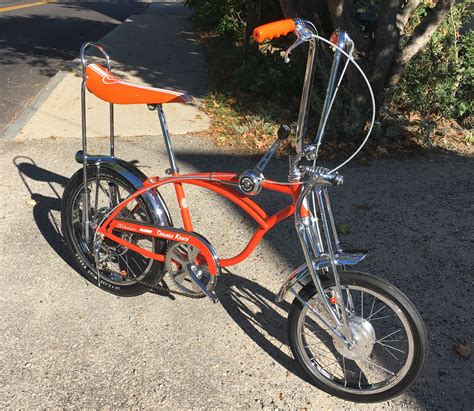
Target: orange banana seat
(117, 91)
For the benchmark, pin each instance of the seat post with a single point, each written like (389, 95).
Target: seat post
(166, 136)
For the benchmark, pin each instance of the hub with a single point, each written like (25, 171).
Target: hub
(363, 338)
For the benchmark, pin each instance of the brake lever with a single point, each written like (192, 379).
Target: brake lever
(303, 34)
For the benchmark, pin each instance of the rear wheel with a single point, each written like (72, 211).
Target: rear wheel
(388, 332)
(121, 271)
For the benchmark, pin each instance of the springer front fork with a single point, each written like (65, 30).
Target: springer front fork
(323, 253)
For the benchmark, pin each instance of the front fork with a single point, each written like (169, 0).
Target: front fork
(318, 247)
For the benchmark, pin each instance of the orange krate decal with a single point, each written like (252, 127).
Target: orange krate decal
(156, 232)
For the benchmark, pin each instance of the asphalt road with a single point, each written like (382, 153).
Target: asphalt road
(37, 41)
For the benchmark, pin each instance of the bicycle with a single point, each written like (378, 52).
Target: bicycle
(354, 335)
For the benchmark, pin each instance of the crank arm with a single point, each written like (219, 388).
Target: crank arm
(191, 268)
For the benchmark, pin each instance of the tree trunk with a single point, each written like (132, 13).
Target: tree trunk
(385, 48)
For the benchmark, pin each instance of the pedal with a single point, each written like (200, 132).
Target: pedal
(197, 281)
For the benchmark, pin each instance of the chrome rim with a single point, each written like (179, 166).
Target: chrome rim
(117, 264)
(384, 346)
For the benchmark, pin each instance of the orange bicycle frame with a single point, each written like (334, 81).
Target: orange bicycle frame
(220, 183)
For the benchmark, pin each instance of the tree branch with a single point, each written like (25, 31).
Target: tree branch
(420, 37)
(404, 15)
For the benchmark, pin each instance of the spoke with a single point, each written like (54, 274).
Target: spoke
(388, 335)
(350, 301)
(325, 329)
(324, 368)
(362, 304)
(393, 355)
(111, 194)
(393, 348)
(360, 378)
(313, 336)
(372, 308)
(128, 266)
(134, 260)
(99, 185)
(320, 354)
(378, 366)
(380, 309)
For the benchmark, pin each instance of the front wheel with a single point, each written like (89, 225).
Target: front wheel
(387, 330)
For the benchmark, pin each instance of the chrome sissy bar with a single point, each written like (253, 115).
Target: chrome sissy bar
(86, 205)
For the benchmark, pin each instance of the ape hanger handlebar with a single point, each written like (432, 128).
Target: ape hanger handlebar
(343, 46)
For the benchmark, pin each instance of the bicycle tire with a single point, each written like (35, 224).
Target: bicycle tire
(339, 384)
(81, 252)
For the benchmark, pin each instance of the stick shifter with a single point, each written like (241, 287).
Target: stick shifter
(250, 181)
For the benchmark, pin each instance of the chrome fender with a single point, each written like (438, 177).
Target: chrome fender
(135, 177)
(302, 275)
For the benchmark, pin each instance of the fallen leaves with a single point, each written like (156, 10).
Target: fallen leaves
(343, 229)
(463, 348)
(363, 206)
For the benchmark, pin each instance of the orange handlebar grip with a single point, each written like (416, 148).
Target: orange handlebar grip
(271, 30)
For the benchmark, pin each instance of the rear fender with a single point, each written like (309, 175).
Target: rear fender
(136, 178)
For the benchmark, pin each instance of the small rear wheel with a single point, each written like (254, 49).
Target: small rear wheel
(387, 330)
(121, 271)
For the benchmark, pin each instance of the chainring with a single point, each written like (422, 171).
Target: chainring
(178, 257)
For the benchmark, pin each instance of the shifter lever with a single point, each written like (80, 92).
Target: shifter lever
(283, 133)
(250, 181)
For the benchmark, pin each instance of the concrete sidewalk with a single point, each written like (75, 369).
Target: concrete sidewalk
(156, 49)
(68, 344)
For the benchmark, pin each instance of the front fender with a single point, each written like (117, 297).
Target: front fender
(302, 276)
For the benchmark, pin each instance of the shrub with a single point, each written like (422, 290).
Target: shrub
(440, 79)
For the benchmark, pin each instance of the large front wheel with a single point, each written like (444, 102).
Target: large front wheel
(388, 333)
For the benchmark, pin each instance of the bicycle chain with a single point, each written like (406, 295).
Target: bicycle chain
(167, 290)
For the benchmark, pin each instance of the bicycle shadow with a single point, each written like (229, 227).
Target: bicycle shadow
(46, 208)
(252, 307)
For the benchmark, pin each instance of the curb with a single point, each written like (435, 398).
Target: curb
(29, 111)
